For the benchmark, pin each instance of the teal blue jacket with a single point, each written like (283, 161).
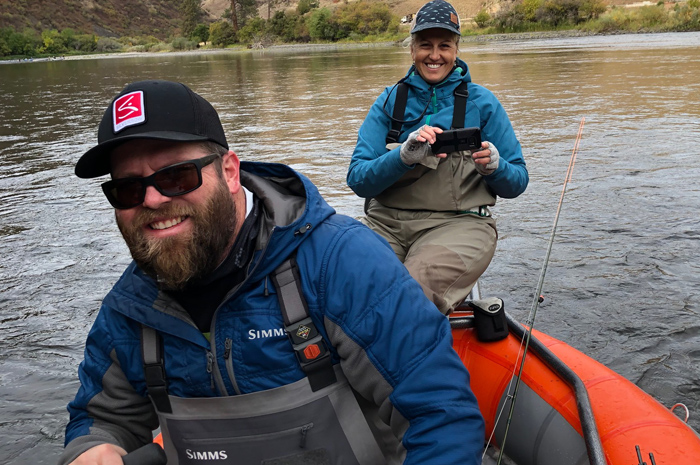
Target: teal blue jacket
(374, 168)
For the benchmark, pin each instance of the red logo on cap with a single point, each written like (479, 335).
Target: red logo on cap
(128, 110)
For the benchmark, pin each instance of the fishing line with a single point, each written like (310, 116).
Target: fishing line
(536, 301)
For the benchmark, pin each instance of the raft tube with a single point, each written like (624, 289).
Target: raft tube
(622, 424)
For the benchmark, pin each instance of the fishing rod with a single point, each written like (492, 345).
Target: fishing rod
(538, 297)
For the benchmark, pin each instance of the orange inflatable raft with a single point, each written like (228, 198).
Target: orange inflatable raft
(569, 409)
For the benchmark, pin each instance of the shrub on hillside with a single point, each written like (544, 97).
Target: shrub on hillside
(221, 34)
(651, 16)
(107, 44)
(527, 14)
(182, 43)
(482, 18)
(365, 17)
(304, 6)
(253, 31)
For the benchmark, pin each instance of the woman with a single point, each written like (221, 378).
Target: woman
(433, 208)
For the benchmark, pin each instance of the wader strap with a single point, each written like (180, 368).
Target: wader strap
(460, 107)
(154, 368)
(399, 109)
(310, 348)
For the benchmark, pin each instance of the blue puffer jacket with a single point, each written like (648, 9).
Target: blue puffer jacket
(374, 168)
(393, 344)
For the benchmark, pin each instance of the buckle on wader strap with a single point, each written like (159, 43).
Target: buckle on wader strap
(154, 368)
(309, 346)
(482, 211)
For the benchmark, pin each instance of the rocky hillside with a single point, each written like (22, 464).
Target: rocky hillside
(102, 17)
(161, 18)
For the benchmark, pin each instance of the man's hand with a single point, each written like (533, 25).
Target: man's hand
(417, 147)
(104, 454)
(486, 159)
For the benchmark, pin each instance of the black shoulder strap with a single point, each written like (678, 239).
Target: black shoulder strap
(399, 109)
(460, 107)
(309, 346)
(154, 368)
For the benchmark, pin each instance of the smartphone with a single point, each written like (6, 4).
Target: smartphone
(455, 140)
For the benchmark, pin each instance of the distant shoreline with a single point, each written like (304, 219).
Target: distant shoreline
(523, 36)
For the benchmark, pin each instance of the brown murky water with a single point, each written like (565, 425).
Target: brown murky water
(622, 283)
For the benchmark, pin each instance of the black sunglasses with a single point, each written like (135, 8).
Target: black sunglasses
(178, 179)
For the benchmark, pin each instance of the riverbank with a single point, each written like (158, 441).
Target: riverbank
(282, 48)
(306, 47)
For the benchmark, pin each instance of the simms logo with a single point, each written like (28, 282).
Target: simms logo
(264, 333)
(206, 455)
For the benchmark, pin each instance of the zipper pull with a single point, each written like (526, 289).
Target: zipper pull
(304, 430)
(227, 348)
(210, 368)
(303, 229)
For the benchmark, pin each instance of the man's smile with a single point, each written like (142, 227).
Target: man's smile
(166, 224)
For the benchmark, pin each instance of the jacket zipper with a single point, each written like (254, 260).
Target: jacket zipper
(215, 370)
(210, 369)
(228, 344)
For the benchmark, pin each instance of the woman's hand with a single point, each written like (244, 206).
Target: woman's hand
(417, 146)
(486, 159)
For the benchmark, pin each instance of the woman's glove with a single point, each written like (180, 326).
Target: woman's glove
(492, 165)
(414, 151)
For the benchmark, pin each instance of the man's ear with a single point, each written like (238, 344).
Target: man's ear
(232, 171)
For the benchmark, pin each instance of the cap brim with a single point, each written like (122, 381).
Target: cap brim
(95, 162)
(424, 26)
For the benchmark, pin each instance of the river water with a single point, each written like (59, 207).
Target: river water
(622, 281)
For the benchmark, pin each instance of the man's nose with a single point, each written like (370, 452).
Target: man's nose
(154, 199)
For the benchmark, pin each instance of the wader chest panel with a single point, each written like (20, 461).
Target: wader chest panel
(314, 421)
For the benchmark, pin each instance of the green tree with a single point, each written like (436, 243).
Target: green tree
(321, 25)
(289, 27)
(191, 12)
(201, 33)
(52, 42)
(221, 34)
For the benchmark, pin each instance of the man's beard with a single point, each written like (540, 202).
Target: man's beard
(175, 261)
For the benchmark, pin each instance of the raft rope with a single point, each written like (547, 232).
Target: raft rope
(687, 412)
(538, 297)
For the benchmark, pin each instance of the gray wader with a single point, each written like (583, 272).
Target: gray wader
(314, 421)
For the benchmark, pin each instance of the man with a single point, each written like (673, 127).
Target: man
(255, 325)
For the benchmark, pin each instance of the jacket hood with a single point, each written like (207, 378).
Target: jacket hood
(293, 208)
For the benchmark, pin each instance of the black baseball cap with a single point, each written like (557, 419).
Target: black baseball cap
(161, 110)
(437, 14)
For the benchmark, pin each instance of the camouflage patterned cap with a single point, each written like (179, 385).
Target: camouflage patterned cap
(436, 14)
